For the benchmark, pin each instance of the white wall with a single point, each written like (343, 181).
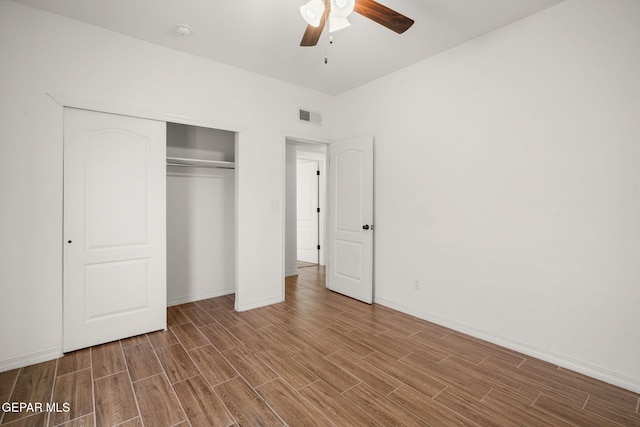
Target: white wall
(507, 176)
(41, 53)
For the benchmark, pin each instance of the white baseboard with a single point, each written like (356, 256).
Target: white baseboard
(30, 359)
(628, 383)
(192, 298)
(291, 273)
(259, 303)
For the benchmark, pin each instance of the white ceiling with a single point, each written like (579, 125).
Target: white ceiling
(264, 35)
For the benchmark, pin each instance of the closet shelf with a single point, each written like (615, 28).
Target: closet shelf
(182, 161)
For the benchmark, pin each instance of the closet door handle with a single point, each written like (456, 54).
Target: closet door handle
(365, 227)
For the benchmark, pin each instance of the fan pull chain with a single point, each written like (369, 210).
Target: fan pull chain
(326, 51)
(327, 29)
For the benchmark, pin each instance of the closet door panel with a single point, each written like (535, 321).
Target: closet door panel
(116, 203)
(114, 227)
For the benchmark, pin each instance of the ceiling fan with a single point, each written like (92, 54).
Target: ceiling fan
(316, 13)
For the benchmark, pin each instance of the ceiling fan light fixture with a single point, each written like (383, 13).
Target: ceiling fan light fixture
(337, 24)
(312, 12)
(342, 8)
(330, 10)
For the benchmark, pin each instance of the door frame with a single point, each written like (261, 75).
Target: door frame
(288, 137)
(144, 113)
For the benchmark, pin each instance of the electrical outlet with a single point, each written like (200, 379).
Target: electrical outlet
(416, 284)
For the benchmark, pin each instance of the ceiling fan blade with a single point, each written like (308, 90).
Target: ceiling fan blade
(383, 15)
(312, 34)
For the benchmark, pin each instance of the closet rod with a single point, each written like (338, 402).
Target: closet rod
(201, 166)
(185, 162)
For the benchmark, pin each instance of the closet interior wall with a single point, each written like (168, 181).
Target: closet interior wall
(200, 213)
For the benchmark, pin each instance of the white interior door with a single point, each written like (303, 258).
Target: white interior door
(350, 266)
(114, 227)
(307, 210)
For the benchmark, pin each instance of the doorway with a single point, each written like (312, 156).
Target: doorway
(305, 213)
(200, 213)
(349, 216)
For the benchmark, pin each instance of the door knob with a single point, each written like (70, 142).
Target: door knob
(365, 227)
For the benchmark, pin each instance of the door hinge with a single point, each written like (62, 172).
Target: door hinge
(318, 247)
(318, 210)
(317, 172)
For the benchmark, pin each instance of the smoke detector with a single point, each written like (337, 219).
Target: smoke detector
(183, 30)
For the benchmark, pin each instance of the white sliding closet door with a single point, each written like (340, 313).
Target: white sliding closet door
(114, 227)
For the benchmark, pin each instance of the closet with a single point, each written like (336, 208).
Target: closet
(200, 213)
(149, 221)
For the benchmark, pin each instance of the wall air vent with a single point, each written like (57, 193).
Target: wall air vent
(308, 116)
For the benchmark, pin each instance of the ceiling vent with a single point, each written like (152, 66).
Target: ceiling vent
(308, 116)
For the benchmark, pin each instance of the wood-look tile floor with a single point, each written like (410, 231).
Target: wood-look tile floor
(305, 264)
(317, 359)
